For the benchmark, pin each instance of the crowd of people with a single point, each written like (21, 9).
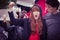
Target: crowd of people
(35, 27)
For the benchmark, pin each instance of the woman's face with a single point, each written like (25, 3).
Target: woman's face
(36, 14)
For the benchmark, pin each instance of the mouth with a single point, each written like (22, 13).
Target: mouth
(35, 15)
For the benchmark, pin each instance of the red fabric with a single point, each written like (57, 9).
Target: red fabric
(42, 4)
(28, 14)
(36, 35)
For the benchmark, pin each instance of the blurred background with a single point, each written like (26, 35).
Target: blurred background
(24, 4)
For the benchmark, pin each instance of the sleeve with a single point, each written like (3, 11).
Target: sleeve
(44, 30)
(27, 27)
(14, 21)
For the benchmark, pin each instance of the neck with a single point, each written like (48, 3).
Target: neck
(55, 12)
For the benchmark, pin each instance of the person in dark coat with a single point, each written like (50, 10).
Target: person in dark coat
(53, 20)
(38, 24)
(2, 35)
(20, 23)
(26, 24)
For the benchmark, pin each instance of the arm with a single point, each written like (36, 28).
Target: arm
(44, 30)
(15, 21)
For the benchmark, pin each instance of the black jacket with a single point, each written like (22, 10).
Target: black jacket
(26, 26)
(24, 23)
(53, 26)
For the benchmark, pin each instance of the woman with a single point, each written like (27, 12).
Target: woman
(36, 22)
(38, 27)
